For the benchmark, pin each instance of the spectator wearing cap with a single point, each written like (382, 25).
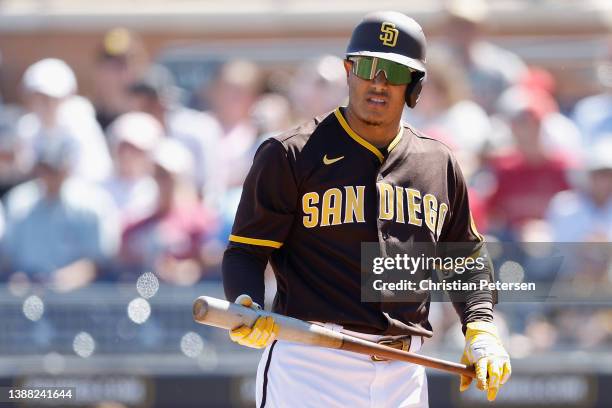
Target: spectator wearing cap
(120, 60)
(585, 214)
(49, 89)
(60, 230)
(133, 136)
(527, 175)
(490, 68)
(169, 240)
(558, 133)
(156, 94)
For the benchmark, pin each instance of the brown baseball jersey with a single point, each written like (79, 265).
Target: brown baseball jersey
(315, 193)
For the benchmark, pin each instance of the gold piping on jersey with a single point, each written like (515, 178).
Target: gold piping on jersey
(473, 228)
(396, 140)
(255, 241)
(356, 137)
(364, 142)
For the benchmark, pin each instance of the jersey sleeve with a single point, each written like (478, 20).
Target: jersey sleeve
(461, 226)
(460, 238)
(268, 202)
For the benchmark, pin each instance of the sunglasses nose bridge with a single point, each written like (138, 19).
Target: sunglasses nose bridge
(380, 76)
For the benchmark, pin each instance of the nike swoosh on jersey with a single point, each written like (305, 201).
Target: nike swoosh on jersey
(331, 161)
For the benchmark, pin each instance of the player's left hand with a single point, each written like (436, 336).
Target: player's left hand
(484, 350)
(262, 333)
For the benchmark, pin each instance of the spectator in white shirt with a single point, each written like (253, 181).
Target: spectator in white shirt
(232, 97)
(133, 136)
(49, 88)
(60, 230)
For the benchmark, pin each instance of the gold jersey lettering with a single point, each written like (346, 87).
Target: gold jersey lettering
(311, 211)
(430, 205)
(441, 216)
(399, 209)
(332, 207)
(354, 205)
(385, 206)
(414, 206)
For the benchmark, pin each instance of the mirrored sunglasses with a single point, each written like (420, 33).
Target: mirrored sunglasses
(368, 68)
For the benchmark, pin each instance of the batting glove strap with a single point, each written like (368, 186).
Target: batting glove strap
(484, 350)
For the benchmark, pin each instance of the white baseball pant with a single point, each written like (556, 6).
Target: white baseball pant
(303, 376)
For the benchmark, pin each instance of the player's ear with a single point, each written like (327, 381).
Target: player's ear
(347, 67)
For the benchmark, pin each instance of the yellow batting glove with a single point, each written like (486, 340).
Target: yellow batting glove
(484, 350)
(263, 332)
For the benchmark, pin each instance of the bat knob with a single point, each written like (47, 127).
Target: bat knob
(200, 308)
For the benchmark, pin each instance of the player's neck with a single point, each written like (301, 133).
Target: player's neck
(377, 135)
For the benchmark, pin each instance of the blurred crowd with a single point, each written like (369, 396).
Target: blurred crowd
(140, 177)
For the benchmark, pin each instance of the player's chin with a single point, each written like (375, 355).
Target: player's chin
(375, 112)
(375, 116)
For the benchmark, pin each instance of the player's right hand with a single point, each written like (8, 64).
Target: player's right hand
(262, 333)
(484, 350)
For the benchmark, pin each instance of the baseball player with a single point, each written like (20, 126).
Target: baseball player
(314, 194)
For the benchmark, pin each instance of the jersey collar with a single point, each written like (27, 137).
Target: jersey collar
(349, 131)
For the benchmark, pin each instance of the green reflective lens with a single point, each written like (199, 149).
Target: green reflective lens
(368, 67)
(362, 67)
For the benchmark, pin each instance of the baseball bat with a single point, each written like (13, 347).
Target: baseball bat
(227, 315)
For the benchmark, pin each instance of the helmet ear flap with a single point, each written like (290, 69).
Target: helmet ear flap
(413, 91)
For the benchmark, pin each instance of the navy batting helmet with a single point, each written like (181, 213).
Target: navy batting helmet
(396, 37)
